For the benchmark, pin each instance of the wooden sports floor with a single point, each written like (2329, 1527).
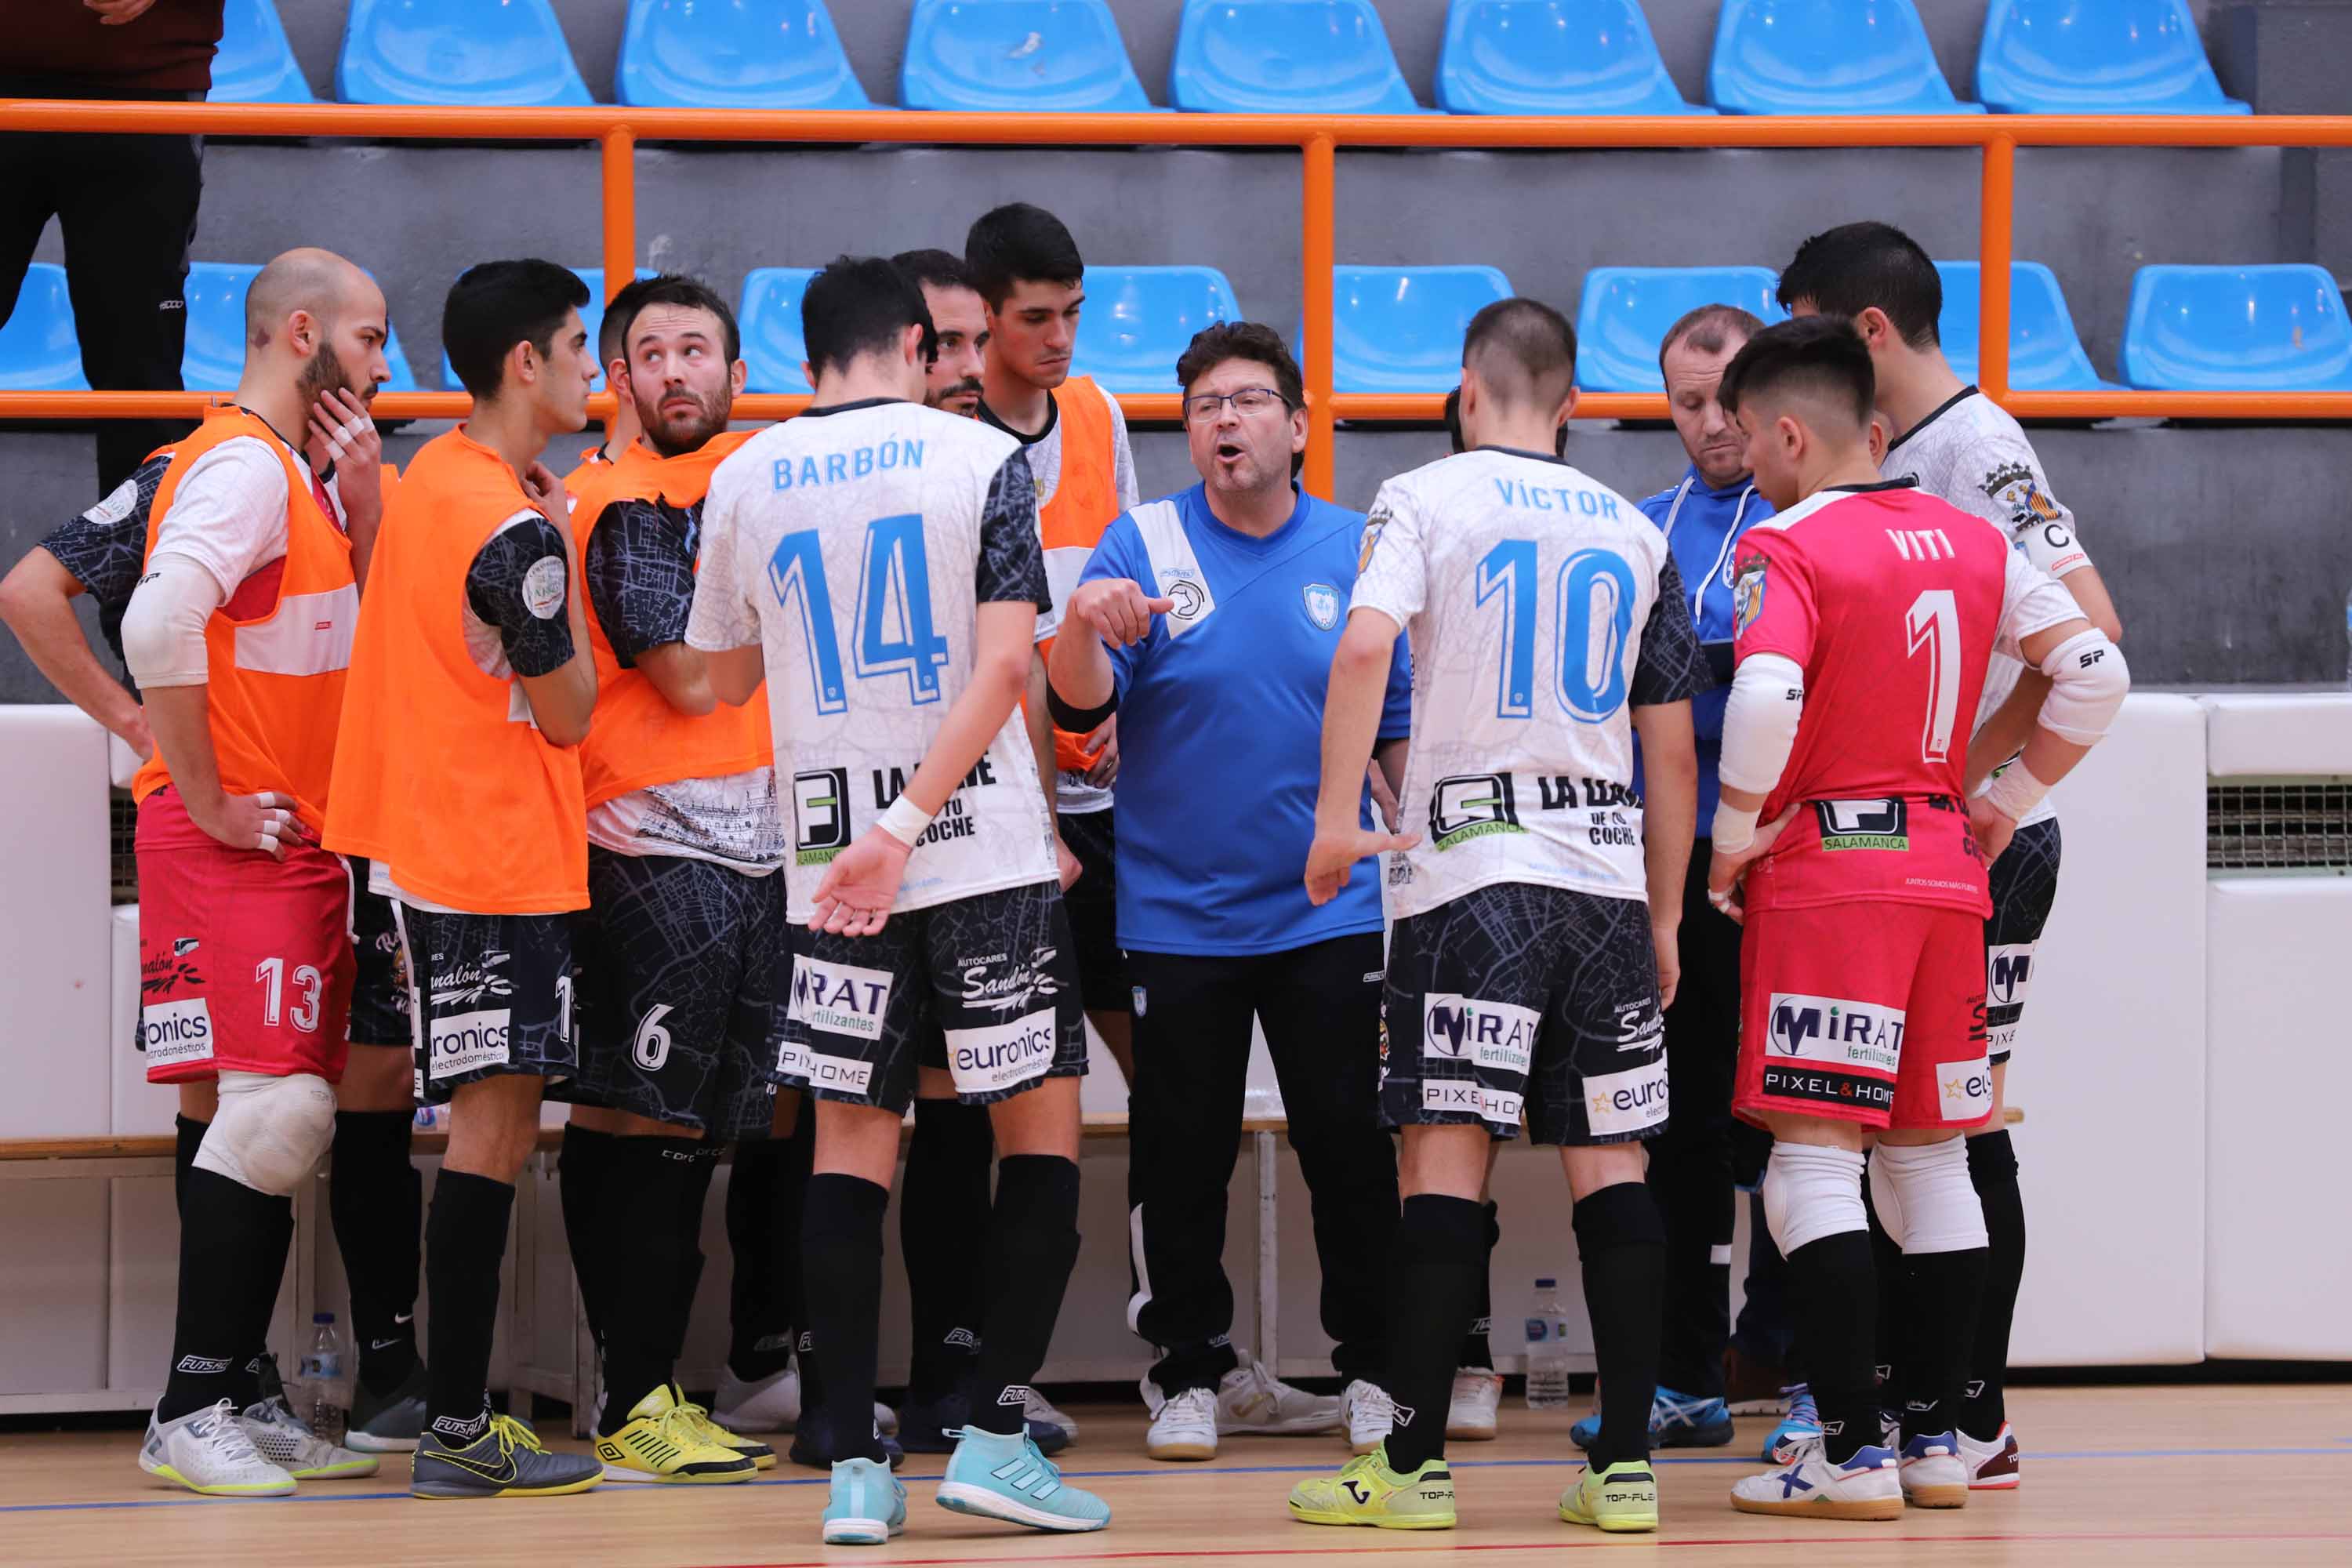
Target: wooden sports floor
(2135, 1476)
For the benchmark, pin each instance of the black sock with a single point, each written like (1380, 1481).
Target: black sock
(232, 1257)
(1896, 1333)
(646, 1179)
(841, 1247)
(1992, 1168)
(1622, 1243)
(580, 1168)
(191, 1136)
(465, 1240)
(1833, 1302)
(764, 1195)
(1937, 1295)
(1440, 1251)
(1477, 1348)
(375, 1197)
(943, 1230)
(1032, 1246)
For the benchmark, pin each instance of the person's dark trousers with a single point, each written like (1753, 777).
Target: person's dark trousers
(1319, 1006)
(127, 206)
(1763, 1333)
(1690, 1161)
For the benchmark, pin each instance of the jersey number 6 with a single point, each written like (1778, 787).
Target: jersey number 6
(1595, 590)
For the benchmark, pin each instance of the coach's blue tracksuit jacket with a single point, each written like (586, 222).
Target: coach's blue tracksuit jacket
(1702, 527)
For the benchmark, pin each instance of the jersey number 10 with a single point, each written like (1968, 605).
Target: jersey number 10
(893, 633)
(1595, 591)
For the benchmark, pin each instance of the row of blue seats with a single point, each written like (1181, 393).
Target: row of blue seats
(1297, 57)
(1399, 329)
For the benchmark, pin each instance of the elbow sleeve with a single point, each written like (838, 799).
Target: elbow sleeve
(1072, 721)
(1760, 721)
(164, 627)
(2088, 680)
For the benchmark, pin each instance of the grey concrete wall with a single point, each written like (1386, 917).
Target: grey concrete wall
(2228, 551)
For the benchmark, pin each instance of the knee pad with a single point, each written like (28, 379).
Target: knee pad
(1924, 1198)
(269, 1131)
(1811, 1191)
(1622, 1214)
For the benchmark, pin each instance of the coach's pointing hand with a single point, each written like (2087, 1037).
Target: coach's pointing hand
(1117, 610)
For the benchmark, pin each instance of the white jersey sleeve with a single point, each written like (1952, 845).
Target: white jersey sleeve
(1122, 456)
(228, 513)
(2031, 601)
(723, 616)
(1391, 572)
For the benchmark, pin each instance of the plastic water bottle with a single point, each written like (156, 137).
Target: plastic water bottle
(1547, 1350)
(322, 1376)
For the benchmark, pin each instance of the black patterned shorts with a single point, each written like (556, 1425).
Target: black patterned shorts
(380, 988)
(1518, 1001)
(993, 973)
(492, 996)
(677, 972)
(2025, 885)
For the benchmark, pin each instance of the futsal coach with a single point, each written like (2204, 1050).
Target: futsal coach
(1213, 615)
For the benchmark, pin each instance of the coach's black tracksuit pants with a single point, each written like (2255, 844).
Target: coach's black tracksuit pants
(127, 205)
(1690, 1161)
(1320, 1008)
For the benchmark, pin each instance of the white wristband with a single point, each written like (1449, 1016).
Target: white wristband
(2015, 791)
(905, 821)
(1734, 829)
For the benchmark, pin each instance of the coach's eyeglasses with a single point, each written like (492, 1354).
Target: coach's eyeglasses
(1248, 400)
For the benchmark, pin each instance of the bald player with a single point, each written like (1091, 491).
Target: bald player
(239, 633)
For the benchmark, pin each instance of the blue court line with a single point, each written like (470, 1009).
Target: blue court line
(1167, 1472)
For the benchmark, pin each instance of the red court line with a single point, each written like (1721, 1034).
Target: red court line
(1866, 1538)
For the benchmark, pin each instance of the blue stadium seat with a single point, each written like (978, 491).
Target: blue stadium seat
(507, 53)
(2097, 56)
(770, 319)
(2237, 329)
(214, 357)
(1286, 56)
(1826, 57)
(1399, 329)
(592, 316)
(1553, 56)
(253, 63)
(1035, 56)
(2044, 354)
(1139, 320)
(735, 54)
(1626, 310)
(37, 349)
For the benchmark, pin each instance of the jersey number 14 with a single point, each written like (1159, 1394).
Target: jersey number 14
(1595, 591)
(894, 635)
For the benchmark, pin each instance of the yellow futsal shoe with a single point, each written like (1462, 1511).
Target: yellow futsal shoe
(1622, 1496)
(663, 1443)
(761, 1456)
(1366, 1491)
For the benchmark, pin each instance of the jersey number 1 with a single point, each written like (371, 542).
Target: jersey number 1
(1934, 624)
(894, 633)
(1596, 600)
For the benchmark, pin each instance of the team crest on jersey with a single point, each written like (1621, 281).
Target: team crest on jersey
(1747, 594)
(1374, 527)
(1322, 605)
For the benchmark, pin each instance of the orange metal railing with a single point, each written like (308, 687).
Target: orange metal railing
(618, 128)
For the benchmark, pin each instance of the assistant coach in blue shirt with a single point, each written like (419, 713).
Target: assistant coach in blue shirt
(1212, 616)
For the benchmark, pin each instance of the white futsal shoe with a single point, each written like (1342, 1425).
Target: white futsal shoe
(1934, 1473)
(1370, 1415)
(210, 1451)
(1868, 1486)
(1253, 1401)
(1183, 1426)
(1995, 1466)
(1478, 1400)
(286, 1440)
(1036, 1407)
(771, 1403)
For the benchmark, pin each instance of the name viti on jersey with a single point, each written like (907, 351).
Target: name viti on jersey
(1458, 1028)
(998, 1055)
(1837, 1030)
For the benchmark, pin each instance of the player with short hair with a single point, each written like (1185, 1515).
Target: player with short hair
(1535, 939)
(457, 775)
(685, 931)
(877, 562)
(943, 1197)
(1867, 613)
(1961, 447)
(1206, 620)
(622, 430)
(1027, 270)
(238, 633)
